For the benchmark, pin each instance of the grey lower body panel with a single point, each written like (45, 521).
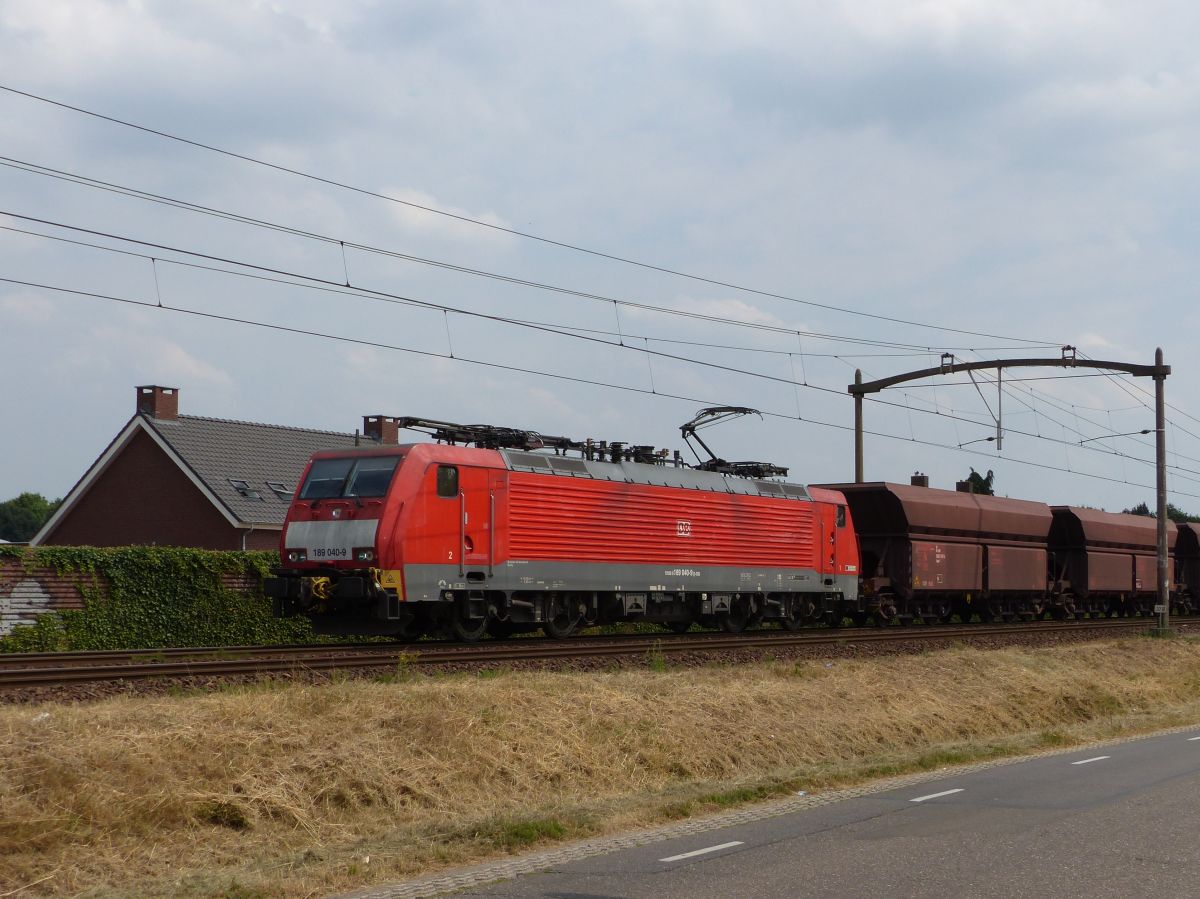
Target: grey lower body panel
(424, 583)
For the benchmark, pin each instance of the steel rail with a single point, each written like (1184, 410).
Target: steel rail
(165, 654)
(417, 655)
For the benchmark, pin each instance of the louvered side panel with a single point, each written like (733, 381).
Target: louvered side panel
(564, 519)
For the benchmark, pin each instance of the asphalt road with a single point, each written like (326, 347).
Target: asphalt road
(1119, 821)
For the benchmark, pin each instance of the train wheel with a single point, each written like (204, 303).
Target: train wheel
(735, 622)
(500, 630)
(793, 616)
(560, 620)
(409, 632)
(469, 630)
(885, 613)
(860, 619)
(940, 613)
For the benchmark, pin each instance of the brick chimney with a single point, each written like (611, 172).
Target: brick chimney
(158, 402)
(381, 428)
(919, 480)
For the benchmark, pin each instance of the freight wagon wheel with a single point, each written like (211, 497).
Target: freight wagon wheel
(885, 611)
(941, 611)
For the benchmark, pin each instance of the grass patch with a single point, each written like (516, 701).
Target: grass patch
(741, 795)
(656, 659)
(305, 789)
(223, 814)
(511, 835)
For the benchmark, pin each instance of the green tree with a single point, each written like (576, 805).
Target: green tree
(1174, 513)
(981, 483)
(23, 516)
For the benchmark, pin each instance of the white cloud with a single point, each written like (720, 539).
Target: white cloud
(730, 308)
(1021, 167)
(1093, 341)
(29, 308)
(174, 363)
(448, 222)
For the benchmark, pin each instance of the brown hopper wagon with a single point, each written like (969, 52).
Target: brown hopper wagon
(930, 554)
(1186, 595)
(1105, 562)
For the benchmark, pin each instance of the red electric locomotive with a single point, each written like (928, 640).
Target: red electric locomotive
(515, 531)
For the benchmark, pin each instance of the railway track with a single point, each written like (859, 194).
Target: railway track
(28, 670)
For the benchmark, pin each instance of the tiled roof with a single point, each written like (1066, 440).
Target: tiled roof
(218, 450)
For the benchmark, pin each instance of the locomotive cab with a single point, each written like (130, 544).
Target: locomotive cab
(333, 550)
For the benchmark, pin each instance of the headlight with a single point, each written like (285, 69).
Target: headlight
(364, 555)
(297, 555)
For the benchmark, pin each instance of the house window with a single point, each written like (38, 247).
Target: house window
(243, 488)
(280, 489)
(447, 481)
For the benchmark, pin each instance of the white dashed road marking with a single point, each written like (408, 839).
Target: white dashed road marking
(937, 795)
(695, 852)
(1098, 758)
(1193, 739)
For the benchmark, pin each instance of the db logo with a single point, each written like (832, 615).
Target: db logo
(683, 528)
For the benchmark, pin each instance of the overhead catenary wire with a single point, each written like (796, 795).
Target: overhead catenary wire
(1059, 405)
(614, 333)
(1062, 406)
(646, 339)
(662, 310)
(381, 296)
(577, 248)
(342, 244)
(384, 296)
(238, 320)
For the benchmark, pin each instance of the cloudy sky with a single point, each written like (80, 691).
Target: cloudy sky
(689, 203)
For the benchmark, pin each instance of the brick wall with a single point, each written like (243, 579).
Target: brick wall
(26, 594)
(143, 499)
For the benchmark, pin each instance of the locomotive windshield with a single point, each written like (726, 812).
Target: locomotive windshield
(362, 476)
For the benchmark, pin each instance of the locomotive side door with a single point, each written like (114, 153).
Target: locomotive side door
(463, 535)
(475, 526)
(835, 539)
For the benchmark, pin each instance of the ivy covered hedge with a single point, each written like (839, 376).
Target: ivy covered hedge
(151, 596)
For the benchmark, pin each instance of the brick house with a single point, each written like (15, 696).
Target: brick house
(183, 480)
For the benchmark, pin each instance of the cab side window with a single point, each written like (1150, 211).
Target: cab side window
(447, 481)
(841, 516)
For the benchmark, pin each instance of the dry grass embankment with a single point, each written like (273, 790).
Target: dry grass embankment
(288, 791)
